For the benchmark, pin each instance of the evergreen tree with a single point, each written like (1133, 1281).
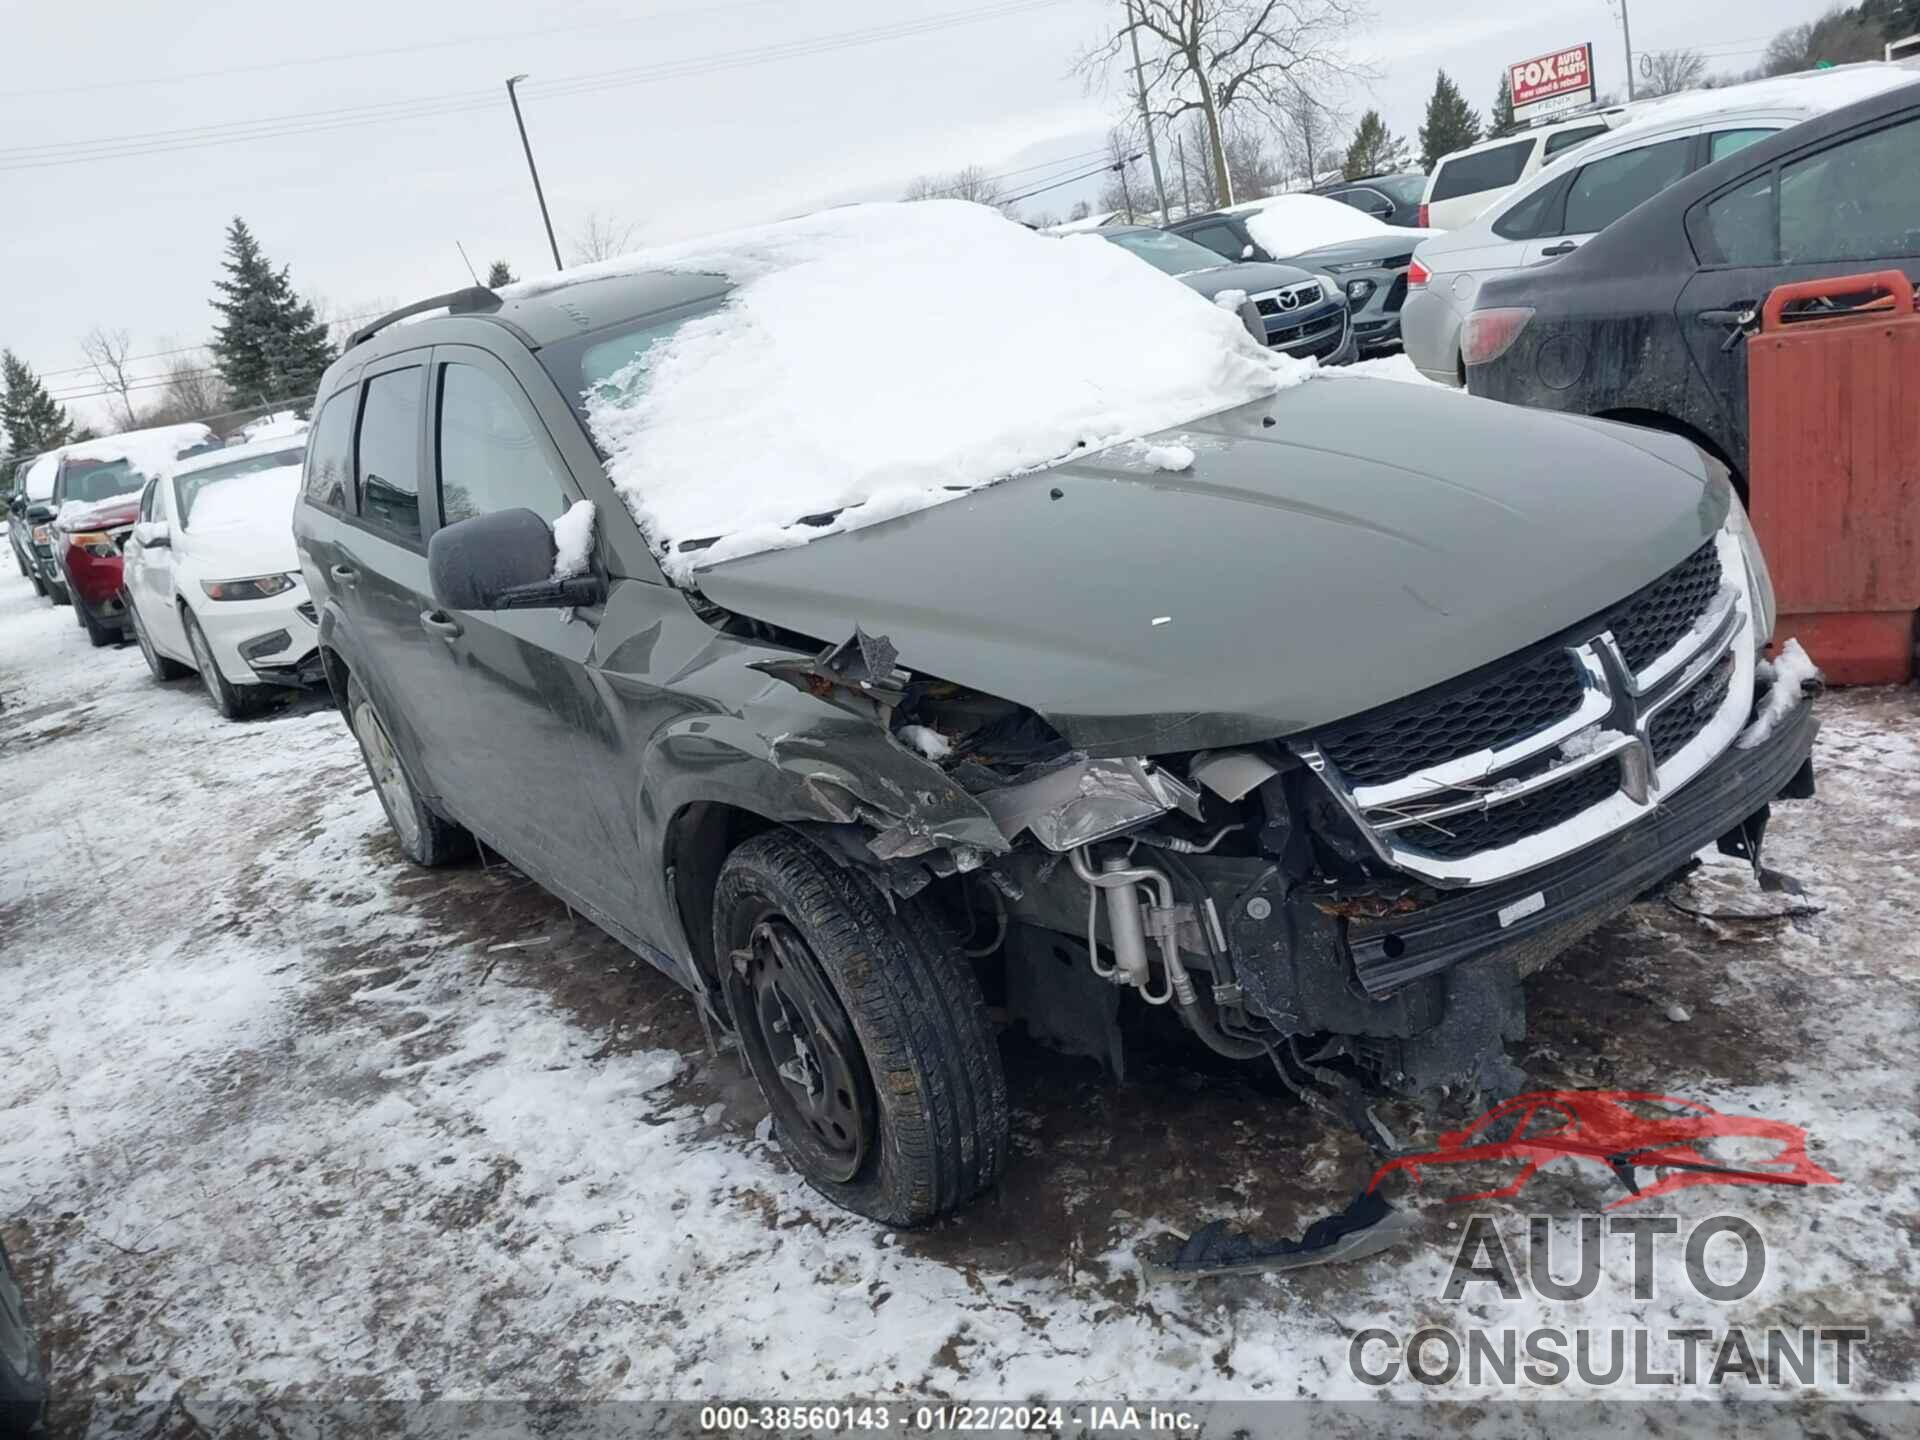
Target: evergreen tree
(1500, 119)
(1374, 150)
(1451, 123)
(500, 273)
(32, 419)
(268, 346)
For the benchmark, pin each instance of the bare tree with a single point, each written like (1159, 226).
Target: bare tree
(971, 183)
(1837, 37)
(1231, 58)
(1310, 133)
(107, 352)
(193, 391)
(1666, 72)
(1122, 186)
(600, 238)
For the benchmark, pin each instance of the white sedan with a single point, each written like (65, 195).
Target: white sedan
(212, 580)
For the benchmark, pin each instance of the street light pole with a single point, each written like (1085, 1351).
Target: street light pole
(533, 170)
(1626, 38)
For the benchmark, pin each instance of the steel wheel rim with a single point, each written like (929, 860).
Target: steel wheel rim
(803, 1050)
(388, 778)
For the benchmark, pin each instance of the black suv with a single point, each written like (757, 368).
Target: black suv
(1269, 720)
(1390, 199)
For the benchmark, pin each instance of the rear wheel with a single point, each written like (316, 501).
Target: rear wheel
(425, 838)
(232, 701)
(864, 1026)
(161, 667)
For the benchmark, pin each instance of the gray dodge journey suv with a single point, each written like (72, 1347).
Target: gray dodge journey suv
(1421, 690)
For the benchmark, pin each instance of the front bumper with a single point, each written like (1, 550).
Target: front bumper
(95, 582)
(1544, 910)
(272, 641)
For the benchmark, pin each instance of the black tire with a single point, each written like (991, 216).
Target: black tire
(159, 666)
(930, 1108)
(99, 635)
(236, 702)
(23, 1382)
(57, 592)
(425, 838)
(39, 585)
(26, 573)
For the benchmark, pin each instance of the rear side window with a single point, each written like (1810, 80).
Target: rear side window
(1728, 142)
(330, 453)
(389, 453)
(1493, 169)
(1739, 228)
(1858, 200)
(1533, 215)
(1567, 139)
(491, 457)
(1607, 189)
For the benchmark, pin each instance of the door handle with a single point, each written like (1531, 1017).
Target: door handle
(1741, 313)
(1565, 247)
(438, 622)
(345, 574)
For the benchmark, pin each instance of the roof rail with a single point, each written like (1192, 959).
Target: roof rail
(475, 299)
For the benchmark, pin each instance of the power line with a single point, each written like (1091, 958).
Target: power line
(1087, 175)
(456, 102)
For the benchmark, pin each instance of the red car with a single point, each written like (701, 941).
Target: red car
(1625, 1130)
(96, 499)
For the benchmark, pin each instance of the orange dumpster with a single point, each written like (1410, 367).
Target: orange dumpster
(1834, 483)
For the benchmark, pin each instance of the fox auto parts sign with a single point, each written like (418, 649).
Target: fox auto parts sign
(1548, 84)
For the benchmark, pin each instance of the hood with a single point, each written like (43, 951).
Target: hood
(99, 514)
(1374, 539)
(1252, 276)
(1375, 247)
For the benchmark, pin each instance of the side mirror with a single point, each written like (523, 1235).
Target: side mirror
(502, 561)
(154, 534)
(1246, 252)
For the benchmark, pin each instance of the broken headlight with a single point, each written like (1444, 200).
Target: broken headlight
(1082, 801)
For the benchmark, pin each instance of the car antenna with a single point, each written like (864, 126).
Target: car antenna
(469, 264)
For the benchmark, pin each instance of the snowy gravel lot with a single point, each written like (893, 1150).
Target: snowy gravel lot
(283, 1117)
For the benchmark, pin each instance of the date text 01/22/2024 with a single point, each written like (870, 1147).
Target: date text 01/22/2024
(1116, 1419)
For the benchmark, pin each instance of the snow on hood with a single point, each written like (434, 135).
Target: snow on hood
(1290, 224)
(78, 514)
(878, 359)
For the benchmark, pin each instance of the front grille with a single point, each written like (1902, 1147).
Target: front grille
(1495, 712)
(1302, 295)
(1468, 834)
(1299, 334)
(1670, 730)
(1649, 624)
(1396, 294)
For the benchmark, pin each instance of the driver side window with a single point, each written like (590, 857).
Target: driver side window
(492, 455)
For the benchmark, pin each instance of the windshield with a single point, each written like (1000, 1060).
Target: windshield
(90, 480)
(615, 358)
(1174, 254)
(1405, 189)
(189, 487)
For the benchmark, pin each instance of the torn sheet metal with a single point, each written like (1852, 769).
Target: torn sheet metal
(1084, 801)
(1366, 1227)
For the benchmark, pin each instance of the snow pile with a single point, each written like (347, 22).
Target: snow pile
(573, 540)
(1168, 457)
(879, 359)
(260, 502)
(1293, 224)
(1387, 367)
(1790, 672)
(281, 425)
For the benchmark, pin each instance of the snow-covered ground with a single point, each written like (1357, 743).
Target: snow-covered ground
(283, 1117)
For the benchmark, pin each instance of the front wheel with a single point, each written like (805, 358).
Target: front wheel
(231, 700)
(424, 837)
(864, 1027)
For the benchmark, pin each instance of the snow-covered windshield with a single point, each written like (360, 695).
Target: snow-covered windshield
(89, 480)
(1174, 254)
(875, 360)
(188, 488)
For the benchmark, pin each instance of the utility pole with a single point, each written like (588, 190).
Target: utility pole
(1626, 37)
(533, 170)
(1146, 116)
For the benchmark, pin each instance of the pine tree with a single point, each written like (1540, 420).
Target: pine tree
(1451, 123)
(1500, 119)
(32, 419)
(268, 346)
(1374, 150)
(500, 273)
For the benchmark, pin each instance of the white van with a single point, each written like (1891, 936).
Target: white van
(1468, 181)
(1567, 204)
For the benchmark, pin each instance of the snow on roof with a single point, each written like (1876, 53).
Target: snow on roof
(875, 360)
(1084, 223)
(40, 476)
(1292, 224)
(151, 452)
(226, 455)
(278, 425)
(1813, 92)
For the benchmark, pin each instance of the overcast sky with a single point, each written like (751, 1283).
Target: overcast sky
(774, 110)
